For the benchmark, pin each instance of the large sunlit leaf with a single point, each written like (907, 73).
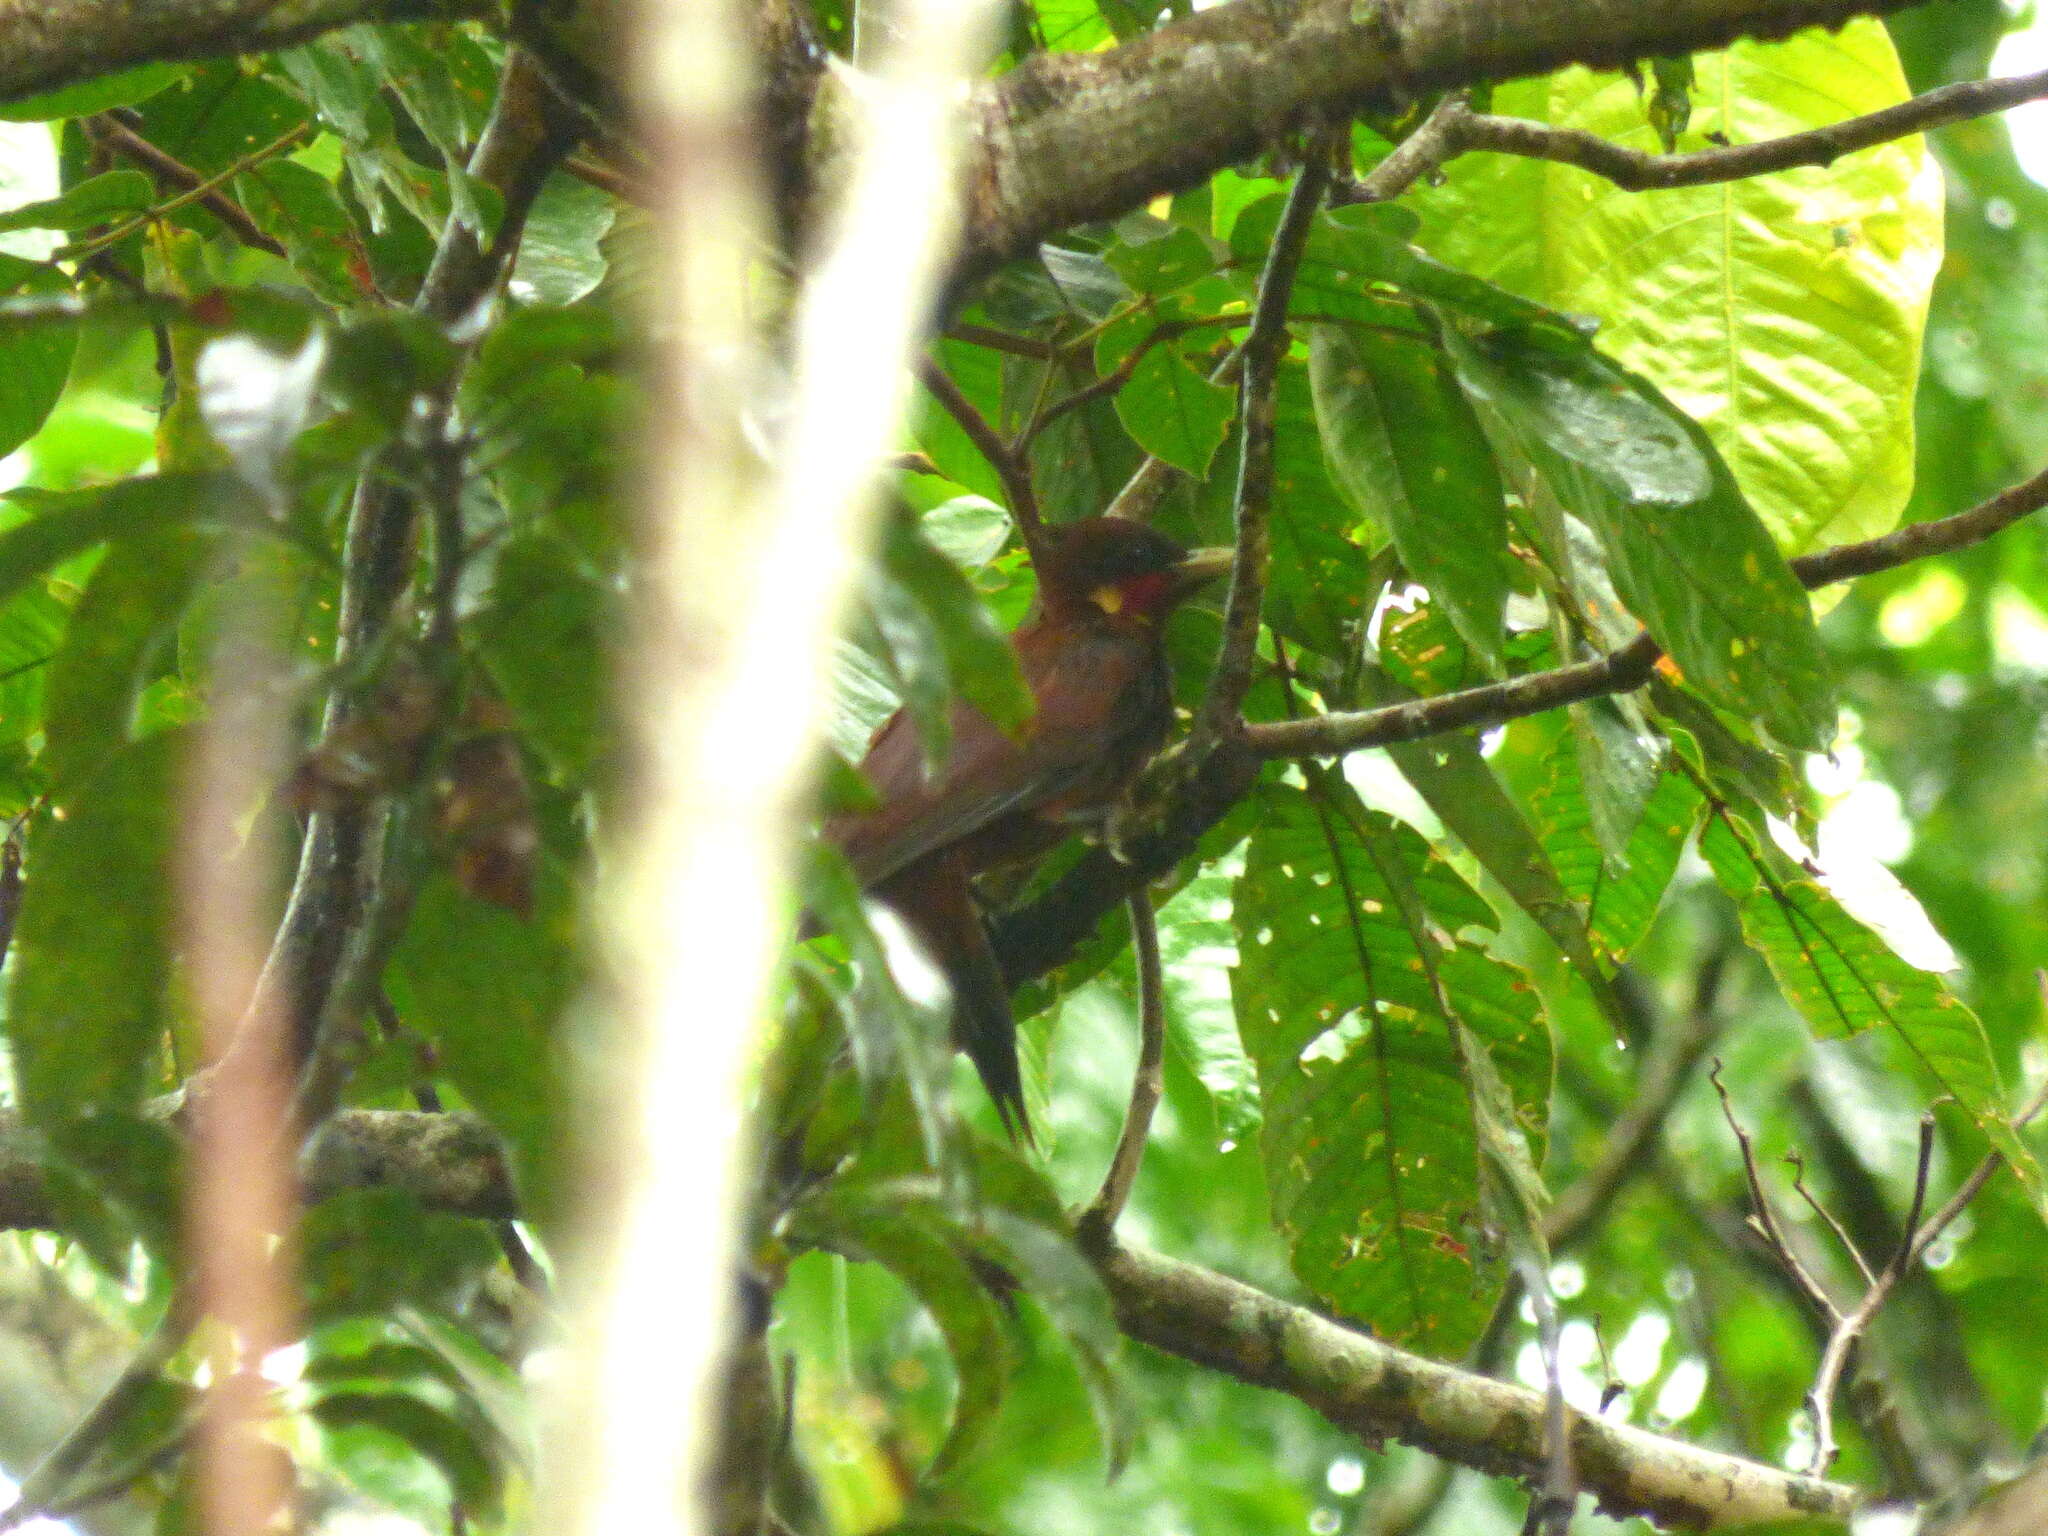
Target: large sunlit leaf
(1784, 311)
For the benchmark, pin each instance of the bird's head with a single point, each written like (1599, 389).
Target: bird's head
(1123, 568)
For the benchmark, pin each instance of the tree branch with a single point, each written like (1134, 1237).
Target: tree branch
(1259, 365)
(1635, 171)
(1069, 137)
(45, 44)
(1148, 1082)
(1379, 1392)
(1630, 667)
(454, 1164)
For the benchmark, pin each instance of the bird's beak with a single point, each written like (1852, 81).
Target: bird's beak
(1201, 567)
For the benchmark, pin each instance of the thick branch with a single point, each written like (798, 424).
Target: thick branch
(45, 44)
(1069, 137)
(454, 1164)
(1377, 1392)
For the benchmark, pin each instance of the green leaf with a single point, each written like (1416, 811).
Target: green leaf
(1620, 897)
(1157, 258)
(1198, 950)
(488, 988)
(895, 1039)
(1785, 312)
(100, 200)
(364, 1252)
(91, 947)
(542, 635)
(561, 258)
(67, 523)
(1350, 250)
(1172, 410)
(428, 1431)
(301, 210)
(123, 89)
(899, 1227)
(131, 605)
(1320, 588)
(35, 360)
(1686, 552)
(1370, 1146)
(975, 655)
(1453, 778)
(1845, 980)
(1409, 451)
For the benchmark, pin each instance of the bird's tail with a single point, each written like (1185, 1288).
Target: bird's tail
(934, 898)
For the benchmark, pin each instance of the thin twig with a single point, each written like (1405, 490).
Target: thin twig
(1968, 1190)
(1420, 154)
(1009, 466)
(1762, 1220)
(1635, 171)
(194, 194)
(108, 130)
(1820, 1400)
(1261, 351)
(1629, 667)
(1002, 341)
(1115, 379)
(1148, 1082)
(1834, 1225)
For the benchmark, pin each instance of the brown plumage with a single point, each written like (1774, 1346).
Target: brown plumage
(1092, 656)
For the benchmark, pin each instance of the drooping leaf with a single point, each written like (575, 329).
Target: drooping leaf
(102, 199)
(1845, 980)
(303, 212)
(1686, 552)
(122, 89)
(488, 989)
(35, 359)
(1620, 896)
(976, 657)
(915, 1240)
(542, 635)
(131, 604)
(1407, 448)
(91, 947)
(561, 256)
(67, 523)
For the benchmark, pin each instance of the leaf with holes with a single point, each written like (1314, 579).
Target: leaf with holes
(1371, 1151)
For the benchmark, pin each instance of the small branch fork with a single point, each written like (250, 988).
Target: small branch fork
(1847, 1326)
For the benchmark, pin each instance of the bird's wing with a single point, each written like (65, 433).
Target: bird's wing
(1080, 684)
